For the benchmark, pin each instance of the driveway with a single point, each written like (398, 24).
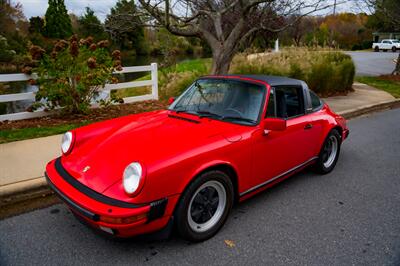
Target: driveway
(373, 63)
(348, 217)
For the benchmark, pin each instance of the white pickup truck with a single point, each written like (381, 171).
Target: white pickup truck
(386, 45)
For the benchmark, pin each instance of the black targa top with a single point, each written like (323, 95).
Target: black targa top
(271, 80)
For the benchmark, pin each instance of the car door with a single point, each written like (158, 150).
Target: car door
(281, 151)
(386, 45)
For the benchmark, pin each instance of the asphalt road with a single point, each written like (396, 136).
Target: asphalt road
(349, 217)
(373, 63)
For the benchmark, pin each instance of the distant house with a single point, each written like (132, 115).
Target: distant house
(379, 36)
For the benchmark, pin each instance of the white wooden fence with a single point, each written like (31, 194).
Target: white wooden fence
(153, 82)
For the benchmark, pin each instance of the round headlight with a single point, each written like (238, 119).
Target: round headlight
(67, 141)
(132, 177)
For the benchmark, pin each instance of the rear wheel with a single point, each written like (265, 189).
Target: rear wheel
(204, 206)
(329, 153)
(394, 49)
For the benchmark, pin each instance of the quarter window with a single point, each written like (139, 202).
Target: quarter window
(316, 102)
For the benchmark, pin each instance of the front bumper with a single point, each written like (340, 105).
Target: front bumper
(120, 218)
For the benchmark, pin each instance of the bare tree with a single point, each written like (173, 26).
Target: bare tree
(390, 9)
(225, 24)
(388, 12)
(299, 29)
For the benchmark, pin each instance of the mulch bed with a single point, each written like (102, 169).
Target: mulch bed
(96, 114)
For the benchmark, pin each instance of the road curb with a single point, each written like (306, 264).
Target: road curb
(23, 191)
(348, 114)
(23, 186)
(37, 188)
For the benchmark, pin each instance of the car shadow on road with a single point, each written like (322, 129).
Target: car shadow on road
(238, 212)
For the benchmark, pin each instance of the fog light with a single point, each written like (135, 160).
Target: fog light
(123, 220)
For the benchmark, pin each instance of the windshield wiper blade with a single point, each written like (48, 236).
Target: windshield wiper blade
(203, 113)
(238, 118)
(184, 111)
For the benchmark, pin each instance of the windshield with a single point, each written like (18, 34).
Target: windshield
(228, 100)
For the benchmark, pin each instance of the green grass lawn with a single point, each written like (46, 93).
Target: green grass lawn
(9, 135)
(200, 65)
(390, 86)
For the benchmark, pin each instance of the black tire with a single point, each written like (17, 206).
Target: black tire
(394, 49)
(191, 192)
(376, 49)
(323, 165)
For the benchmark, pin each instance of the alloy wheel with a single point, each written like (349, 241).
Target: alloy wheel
(330, 151)
(207, 206)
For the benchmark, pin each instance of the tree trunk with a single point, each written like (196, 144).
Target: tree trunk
(222, 59)
(396, 71)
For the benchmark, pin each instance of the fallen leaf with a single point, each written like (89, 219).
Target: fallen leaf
(229, 243)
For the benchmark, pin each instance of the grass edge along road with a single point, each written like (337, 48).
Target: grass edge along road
(389, 85)
(9, 135)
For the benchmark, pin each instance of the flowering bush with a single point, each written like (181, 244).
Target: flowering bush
(72, 75)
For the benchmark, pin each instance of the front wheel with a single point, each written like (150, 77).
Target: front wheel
(204, 206)
(329, 153)
(376, 49)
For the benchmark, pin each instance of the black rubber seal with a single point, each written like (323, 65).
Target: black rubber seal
(90, 192)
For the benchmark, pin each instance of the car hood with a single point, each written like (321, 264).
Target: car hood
(149, 138)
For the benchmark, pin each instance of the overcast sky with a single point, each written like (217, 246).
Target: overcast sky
(38, 7)
(101, 7)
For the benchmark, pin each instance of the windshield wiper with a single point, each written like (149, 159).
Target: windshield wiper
(238, 118)
(203, 113)
(183, 110)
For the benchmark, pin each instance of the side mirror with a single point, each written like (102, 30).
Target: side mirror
(274, 124)
(171, 100)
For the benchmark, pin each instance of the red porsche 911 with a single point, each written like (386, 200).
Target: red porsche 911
(223, 140)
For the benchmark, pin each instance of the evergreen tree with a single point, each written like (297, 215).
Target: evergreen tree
(58, 23)
(36, 25)
(90, 25)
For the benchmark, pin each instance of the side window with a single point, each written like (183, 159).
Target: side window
(289, 102)
(316, 102)
(271, 104)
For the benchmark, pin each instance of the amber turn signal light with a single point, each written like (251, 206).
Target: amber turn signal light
(123, 220)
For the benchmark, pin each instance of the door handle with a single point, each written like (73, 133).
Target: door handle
(308, 126)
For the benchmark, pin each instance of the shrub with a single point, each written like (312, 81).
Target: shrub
(326, 72)
(71, 76)
(6, 53)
